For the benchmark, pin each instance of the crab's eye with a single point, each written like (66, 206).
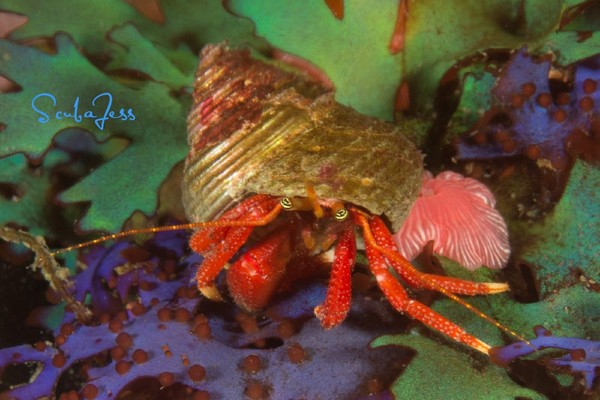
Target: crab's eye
(286, 203)
(341, 214)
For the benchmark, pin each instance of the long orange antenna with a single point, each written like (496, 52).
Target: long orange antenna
(193, 225)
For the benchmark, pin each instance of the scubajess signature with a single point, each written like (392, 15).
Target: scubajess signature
(45, 103)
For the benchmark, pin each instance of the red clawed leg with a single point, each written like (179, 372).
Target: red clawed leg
(253, 278)
(235, 238)
(339, 293)
(204, 239)
(398, 298)
(216, 259)
(416, 278)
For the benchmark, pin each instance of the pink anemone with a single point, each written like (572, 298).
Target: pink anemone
(458, 214)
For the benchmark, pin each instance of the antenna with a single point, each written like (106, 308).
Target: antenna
(193, 225)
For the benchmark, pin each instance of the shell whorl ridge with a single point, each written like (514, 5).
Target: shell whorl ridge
(255, 128)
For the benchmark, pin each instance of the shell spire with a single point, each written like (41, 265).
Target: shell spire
(229, 92)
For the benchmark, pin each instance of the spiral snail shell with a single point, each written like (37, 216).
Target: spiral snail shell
(255, 128)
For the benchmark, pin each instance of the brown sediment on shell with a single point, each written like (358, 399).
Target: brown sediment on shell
(257, 129)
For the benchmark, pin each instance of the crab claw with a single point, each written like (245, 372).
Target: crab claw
(216, 259)
(227, 237)
(253, 278)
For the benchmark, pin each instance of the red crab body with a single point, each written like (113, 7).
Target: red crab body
(255, 276)
(272, 150)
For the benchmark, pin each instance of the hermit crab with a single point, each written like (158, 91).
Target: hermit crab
(271, 149)
(275, 162)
